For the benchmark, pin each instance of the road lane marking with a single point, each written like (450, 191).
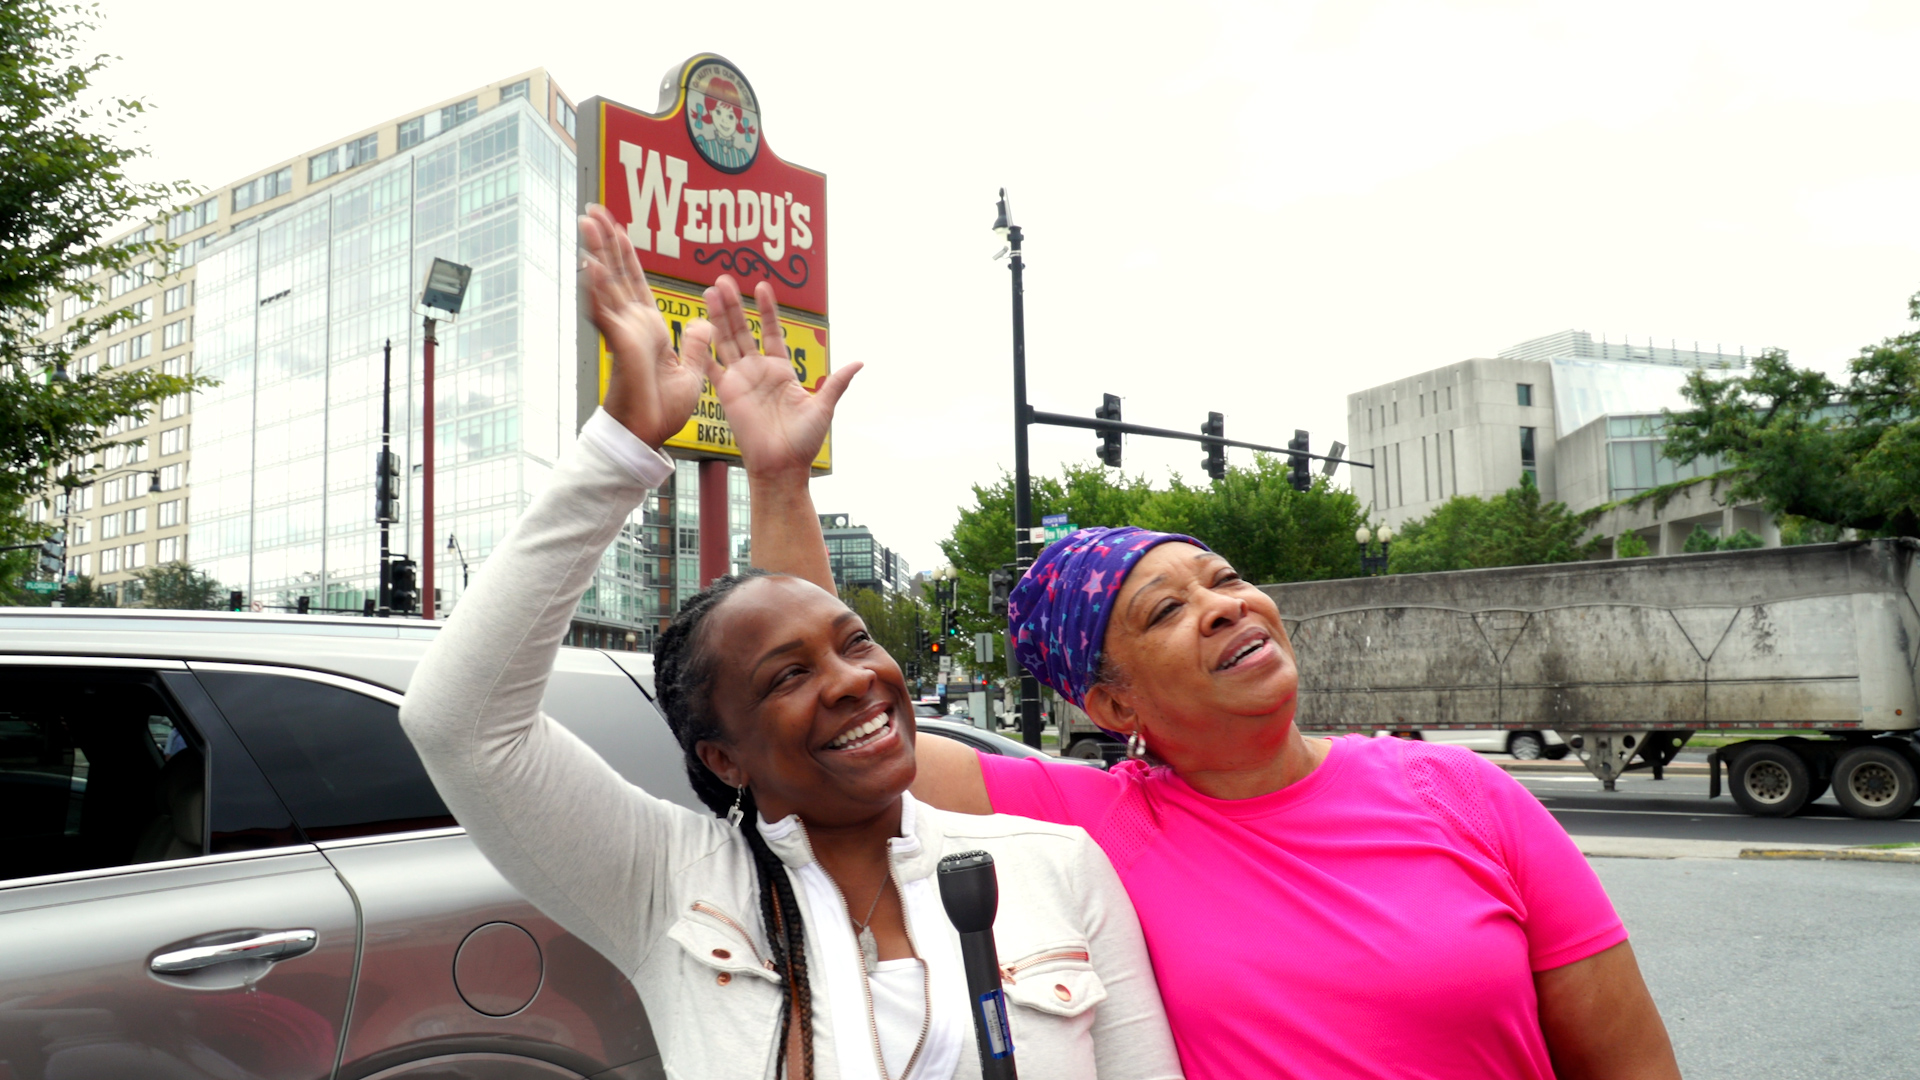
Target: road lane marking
(1704, 814)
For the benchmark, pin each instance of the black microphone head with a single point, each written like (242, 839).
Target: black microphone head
(969, 890)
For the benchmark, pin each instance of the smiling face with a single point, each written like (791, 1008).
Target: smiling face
(816, 715)
(1208, 669)
(725, 120)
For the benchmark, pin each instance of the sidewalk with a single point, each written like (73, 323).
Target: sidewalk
(1638, 847)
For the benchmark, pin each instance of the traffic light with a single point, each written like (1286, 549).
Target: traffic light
(999, 589)
(406, 589)
(1109, 440)
(302, 605)
(1297, 461)
(937, 647)
(1216, 461)
(923, 640)
(386, 487)
(53, 553)
(235, 602)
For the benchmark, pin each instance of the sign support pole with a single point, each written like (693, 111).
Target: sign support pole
(714, 554)
(1023, 481)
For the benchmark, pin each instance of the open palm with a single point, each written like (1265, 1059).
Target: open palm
(777, 424)
(651, 388)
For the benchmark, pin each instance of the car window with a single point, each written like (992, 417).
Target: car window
(96, 770)
(337, 758)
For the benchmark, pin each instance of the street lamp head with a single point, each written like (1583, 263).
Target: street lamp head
(446, 286)
(1386, 534)
(451, 546)
(1361, 536)
(1005, 219)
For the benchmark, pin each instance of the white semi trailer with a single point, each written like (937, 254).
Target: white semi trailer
(1626, 659)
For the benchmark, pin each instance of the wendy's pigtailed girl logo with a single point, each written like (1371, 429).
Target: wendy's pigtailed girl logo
(722, 117)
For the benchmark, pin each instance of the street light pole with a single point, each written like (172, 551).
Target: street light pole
(1022, 480)
(426, 480)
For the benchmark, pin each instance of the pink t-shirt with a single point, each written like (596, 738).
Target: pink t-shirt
(1382, 917)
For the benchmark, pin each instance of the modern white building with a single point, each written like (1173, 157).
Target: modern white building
(1582, 418)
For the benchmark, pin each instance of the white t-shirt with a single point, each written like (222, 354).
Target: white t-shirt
(899, 1009)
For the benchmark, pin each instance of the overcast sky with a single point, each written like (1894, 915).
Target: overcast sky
(1249, 208)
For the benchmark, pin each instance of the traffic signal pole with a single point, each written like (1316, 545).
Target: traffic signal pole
(386, 451)
(1023, 483)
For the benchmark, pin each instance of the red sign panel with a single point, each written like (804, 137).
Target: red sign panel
(702, 194)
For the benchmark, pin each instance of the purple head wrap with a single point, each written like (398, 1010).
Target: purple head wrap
(1057, 614)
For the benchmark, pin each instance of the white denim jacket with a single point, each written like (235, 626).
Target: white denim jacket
(669, 895)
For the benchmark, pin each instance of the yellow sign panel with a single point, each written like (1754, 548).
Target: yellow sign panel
(708, 434)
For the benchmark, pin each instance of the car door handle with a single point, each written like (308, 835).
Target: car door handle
(275, 945)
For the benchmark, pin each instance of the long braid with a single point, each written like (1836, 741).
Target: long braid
(683, 671)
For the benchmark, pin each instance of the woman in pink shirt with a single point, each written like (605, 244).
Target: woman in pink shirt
(1313, 908)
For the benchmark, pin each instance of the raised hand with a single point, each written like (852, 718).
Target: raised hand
(651, 389)
(777, 424)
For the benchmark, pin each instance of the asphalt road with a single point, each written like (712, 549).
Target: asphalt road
(1782, 970)
(1678, 808)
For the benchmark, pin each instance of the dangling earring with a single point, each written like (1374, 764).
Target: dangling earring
(1136, 746)
(738, 811)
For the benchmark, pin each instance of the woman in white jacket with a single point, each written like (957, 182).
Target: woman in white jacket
(803, 934)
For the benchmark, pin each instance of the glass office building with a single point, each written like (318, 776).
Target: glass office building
(294, 311)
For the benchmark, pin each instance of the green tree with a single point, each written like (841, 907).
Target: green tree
(1270, 532)
(1514, 528)
(1801, 444)
(65, 184)
(1795, 530)
(177, 586)
(1630, 546)
(894, 620)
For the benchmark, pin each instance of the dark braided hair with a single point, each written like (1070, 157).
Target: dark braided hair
(683, 670)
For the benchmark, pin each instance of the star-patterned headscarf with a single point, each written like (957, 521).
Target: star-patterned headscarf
(1057, 614)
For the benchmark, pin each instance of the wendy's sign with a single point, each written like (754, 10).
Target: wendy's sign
(702, 192)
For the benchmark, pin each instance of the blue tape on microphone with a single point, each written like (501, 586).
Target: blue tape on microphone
(993, 1011)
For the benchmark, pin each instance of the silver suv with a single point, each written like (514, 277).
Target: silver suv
(220, 859)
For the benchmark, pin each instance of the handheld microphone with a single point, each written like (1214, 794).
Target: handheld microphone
(971, 894)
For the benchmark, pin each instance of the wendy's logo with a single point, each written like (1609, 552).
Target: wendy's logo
(722, 117)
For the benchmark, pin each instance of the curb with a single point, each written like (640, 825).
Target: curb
(1841, 855)
(1678, 768)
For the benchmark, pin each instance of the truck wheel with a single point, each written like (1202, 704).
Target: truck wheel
(1770, 781)
(1874, 782)
(1087, 749)
(1526, 745)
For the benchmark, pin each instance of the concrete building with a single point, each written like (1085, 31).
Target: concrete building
(861, 562)
(1582, 418)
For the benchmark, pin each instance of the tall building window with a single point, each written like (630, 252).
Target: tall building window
(169, 515)
(173, 440)
(167, 549)
(194, 217)
(421, 128)
(1526, 393)
(174, 334)
(346, 156)
(262, 188)
(566, 115)
(142, 343)
(178, 297)
(515, 90)
(1527, 461)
